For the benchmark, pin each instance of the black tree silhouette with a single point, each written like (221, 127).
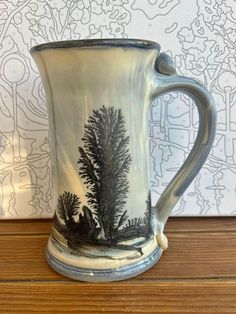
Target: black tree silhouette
(104, 166)
(148, 215)
(68, 207)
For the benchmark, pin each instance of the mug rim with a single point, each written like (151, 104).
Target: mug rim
(106, 42)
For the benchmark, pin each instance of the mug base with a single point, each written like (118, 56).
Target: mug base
(104, 275)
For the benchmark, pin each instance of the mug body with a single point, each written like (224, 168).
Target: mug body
(98, 96)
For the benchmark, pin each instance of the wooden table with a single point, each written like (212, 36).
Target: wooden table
(197, 274)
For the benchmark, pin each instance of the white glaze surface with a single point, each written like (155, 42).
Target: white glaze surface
(77, 81)
(124, 258)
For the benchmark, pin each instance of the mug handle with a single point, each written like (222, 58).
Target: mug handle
(201, 148)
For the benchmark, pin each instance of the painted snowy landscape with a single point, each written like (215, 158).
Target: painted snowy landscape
(104, 163)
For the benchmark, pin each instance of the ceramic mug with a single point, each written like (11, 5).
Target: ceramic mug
(98, 94)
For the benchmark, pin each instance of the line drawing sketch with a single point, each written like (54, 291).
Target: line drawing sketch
(203, 45)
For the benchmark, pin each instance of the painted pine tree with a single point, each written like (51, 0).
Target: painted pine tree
(104, 165)
(68, 207)
(148, 215)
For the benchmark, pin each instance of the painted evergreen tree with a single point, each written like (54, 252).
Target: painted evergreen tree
(104, 166)
(68, 207)
(148, 215)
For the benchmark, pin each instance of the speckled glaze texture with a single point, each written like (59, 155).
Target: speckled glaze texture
(98, 95)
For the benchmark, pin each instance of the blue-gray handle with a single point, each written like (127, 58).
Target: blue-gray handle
(201, 147)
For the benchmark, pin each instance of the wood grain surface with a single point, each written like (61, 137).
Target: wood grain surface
(151, 297)
(197, 274)
(177, 224)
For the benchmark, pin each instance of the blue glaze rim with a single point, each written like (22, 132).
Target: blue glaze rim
(84, 43)
(104, 275)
